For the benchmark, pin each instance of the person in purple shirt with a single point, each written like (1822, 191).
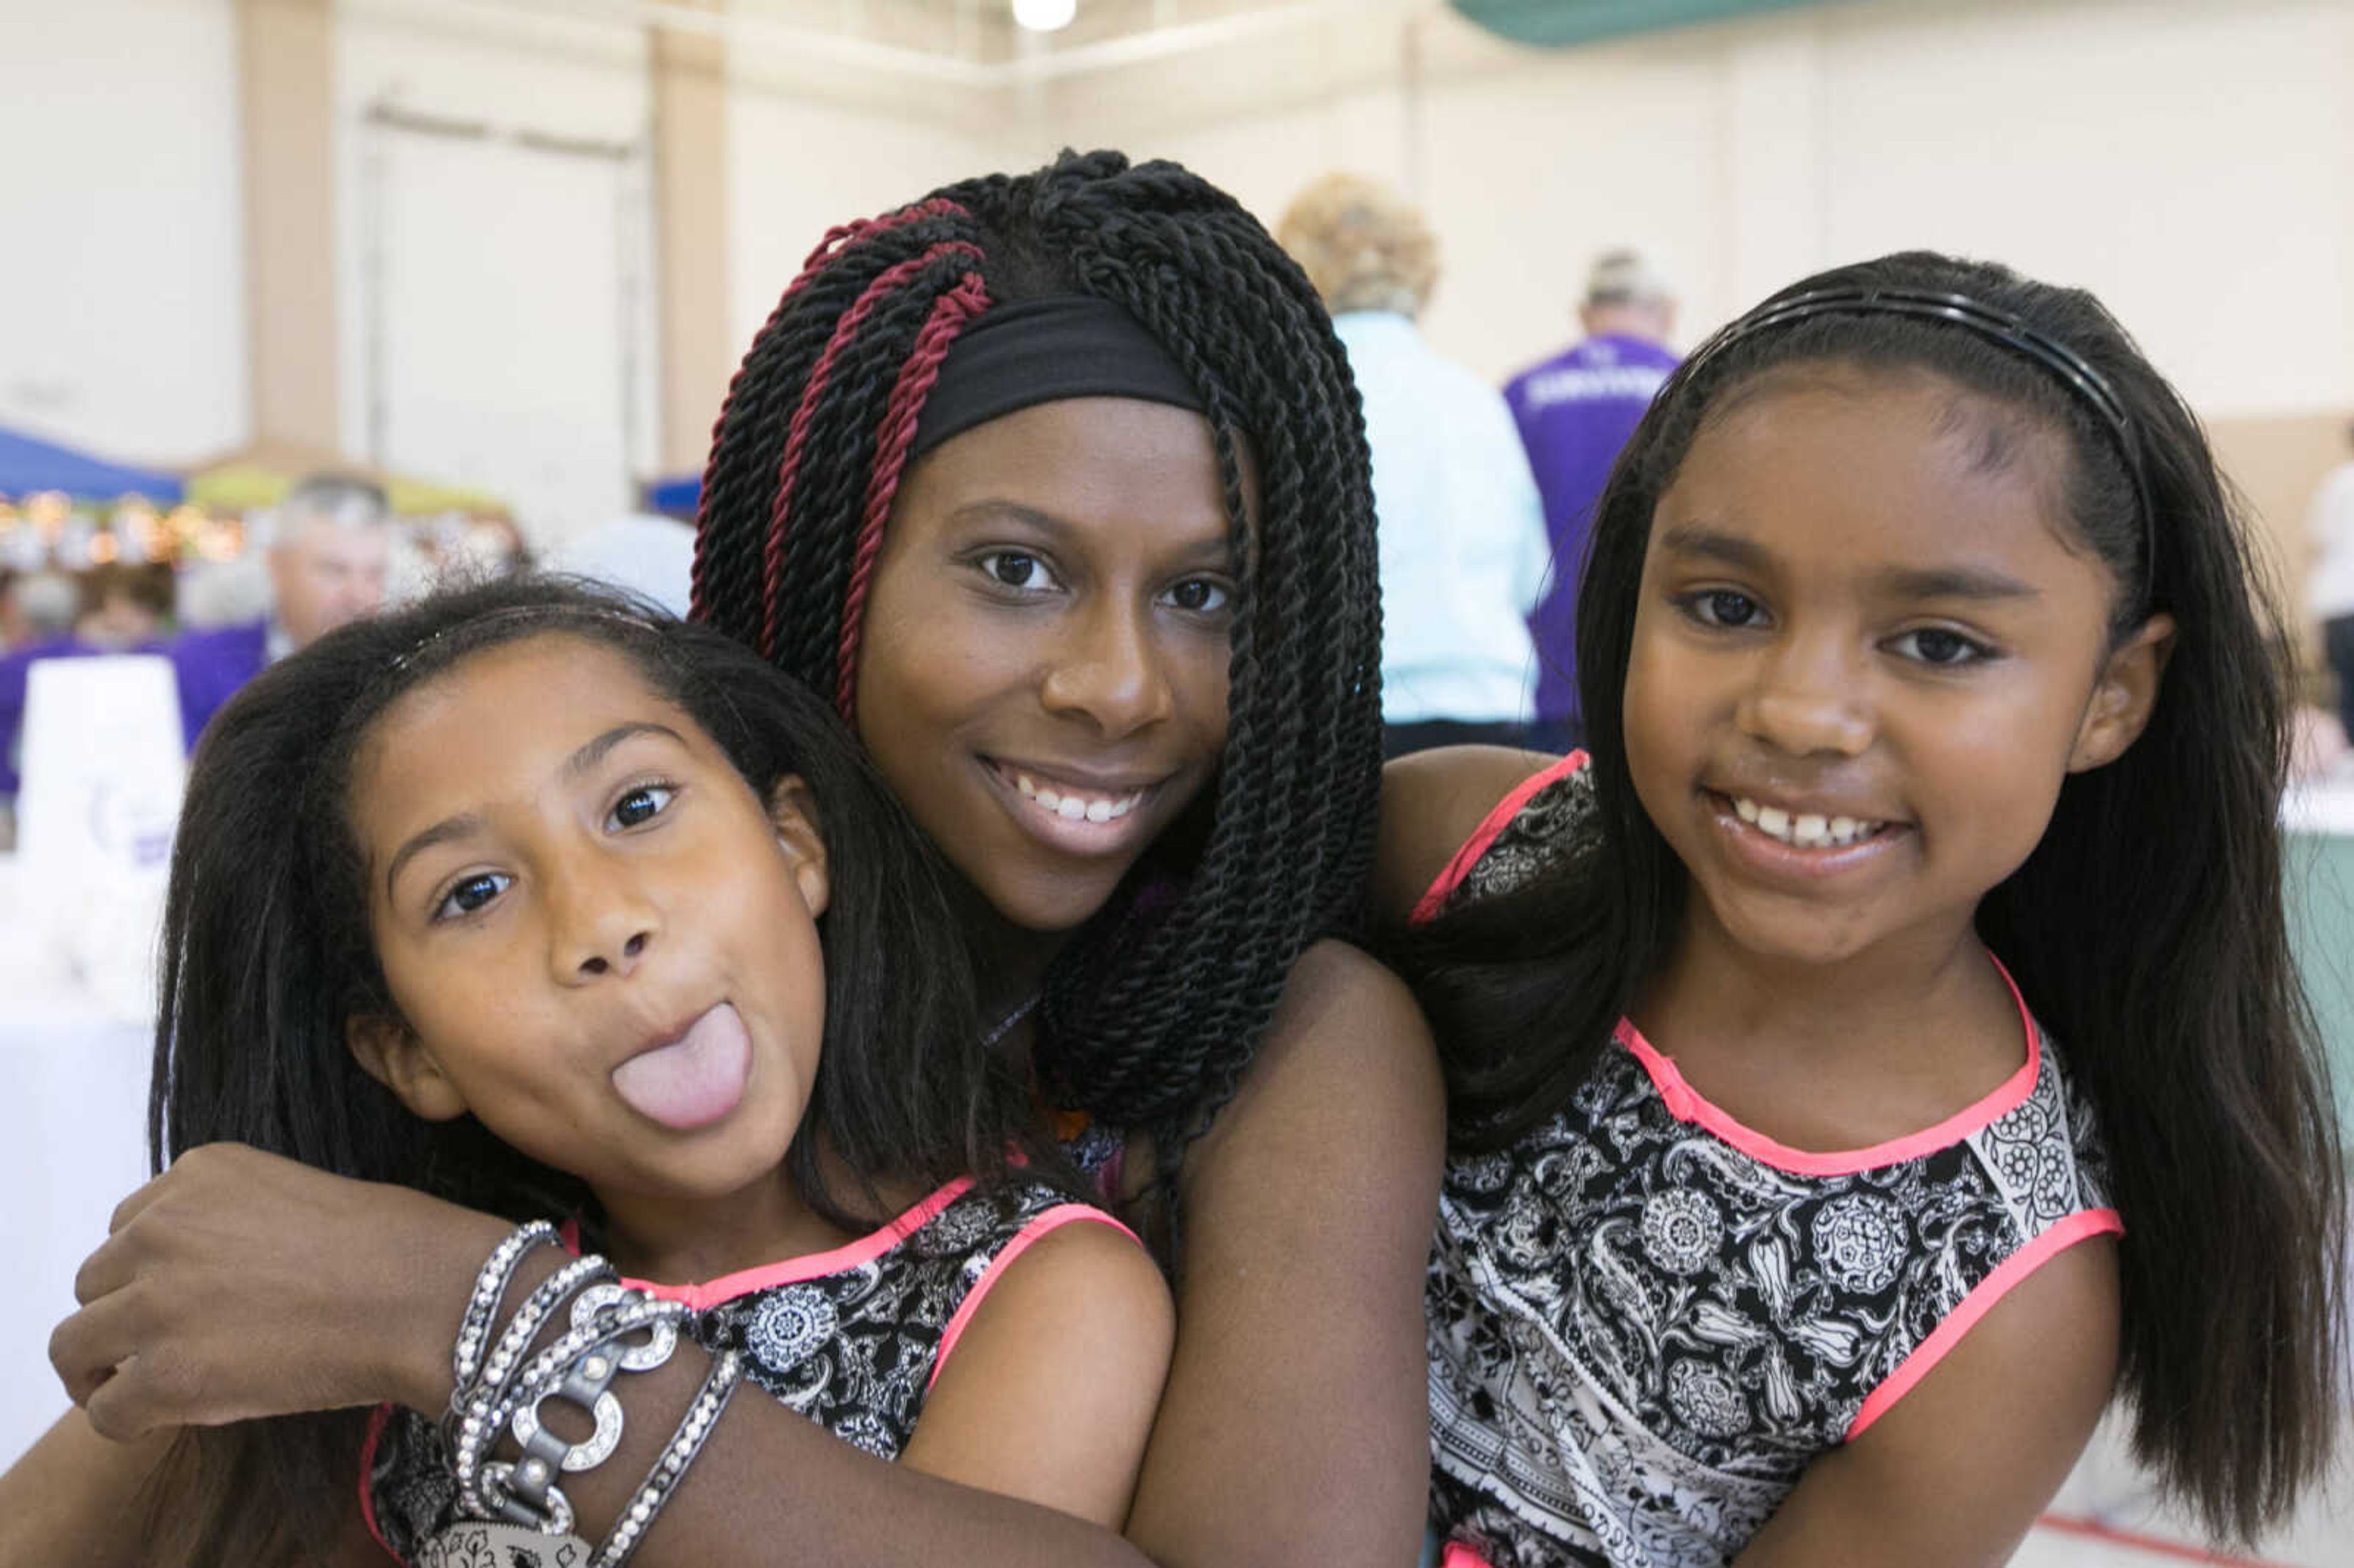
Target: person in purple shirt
(1574, 411)
(41, 611)
(329, 546)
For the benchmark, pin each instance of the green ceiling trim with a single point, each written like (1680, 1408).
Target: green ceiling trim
(1557, 24)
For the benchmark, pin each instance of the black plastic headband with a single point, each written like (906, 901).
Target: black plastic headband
(1997, 326)
(1016, 355)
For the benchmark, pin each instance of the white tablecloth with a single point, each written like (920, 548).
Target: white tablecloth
(73, 1119)
(72, 1146)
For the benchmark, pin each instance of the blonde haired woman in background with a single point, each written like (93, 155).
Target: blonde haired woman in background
(1463, 544)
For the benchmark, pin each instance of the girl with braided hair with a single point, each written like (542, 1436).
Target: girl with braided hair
(1056, 486)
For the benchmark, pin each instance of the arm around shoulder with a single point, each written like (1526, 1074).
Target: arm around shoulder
(1953, 1474)
(1295, 1425)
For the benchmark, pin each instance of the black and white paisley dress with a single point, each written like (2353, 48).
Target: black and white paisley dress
(1645, 1318)
(853, 1337)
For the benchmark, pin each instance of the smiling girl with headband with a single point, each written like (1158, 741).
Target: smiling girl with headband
(1888, 1040)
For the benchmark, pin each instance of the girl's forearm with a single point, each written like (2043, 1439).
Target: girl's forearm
(768, 1475)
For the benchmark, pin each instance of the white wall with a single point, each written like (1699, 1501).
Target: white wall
(2192, 161)
(798, 166)
(497, 303)
(122, 305)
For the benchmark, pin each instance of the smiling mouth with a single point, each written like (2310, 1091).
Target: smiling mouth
(1066, 800)
(1803, 830)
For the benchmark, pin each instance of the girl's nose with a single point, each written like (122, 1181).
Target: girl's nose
(602, 928)
(1108, 673)
(1808, 699)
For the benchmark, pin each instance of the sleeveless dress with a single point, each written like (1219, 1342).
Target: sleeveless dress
(853, 1339)
(1645, 1318)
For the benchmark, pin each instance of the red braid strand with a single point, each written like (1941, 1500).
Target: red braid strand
(837, 239)
(772, 564)
(950, 314)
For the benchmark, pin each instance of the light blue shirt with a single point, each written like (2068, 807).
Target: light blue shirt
(1462, 532)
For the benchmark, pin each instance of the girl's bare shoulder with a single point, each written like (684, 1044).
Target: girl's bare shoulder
(1431, 802)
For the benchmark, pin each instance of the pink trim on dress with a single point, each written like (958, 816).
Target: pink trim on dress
(1687, 1104)
(377, 1419)
(1054, 1219)
(1458, 1555)
(810, 1266)
(2065, 1234)
(1493, 823)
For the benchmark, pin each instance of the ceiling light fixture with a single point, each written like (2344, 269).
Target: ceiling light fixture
(1044, 15)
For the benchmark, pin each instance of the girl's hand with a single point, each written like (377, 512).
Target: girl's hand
(240, 1284)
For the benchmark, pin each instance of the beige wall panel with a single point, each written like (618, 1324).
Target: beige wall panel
(691, 192)
(286, 93)
(2278, 461)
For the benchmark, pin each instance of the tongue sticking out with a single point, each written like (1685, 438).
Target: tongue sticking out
(696, 1079)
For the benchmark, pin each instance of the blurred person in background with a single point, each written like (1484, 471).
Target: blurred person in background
(36, 608)
(123, 607)
(1574, 411)
(42, 608)
(1461, 533)
(329, 545)
(2329, 590)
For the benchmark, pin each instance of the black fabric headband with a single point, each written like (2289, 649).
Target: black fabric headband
(1042, 351)
(1997, 326)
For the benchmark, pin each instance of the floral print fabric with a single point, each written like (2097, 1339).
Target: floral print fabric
(1639, 1334)
(853, 1351)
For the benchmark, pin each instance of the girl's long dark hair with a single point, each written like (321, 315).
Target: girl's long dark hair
(267, 955)
(1150, 1016)
(2147, 928)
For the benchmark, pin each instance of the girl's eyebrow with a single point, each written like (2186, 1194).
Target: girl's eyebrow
(1900, 582)
(1714, 544)
(467, 823)
(1955, 582)
(588, 756)
(1215, 547)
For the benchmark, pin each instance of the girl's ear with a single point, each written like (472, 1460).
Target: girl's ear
(2124, 697)
(792, 811)
(387, 1052)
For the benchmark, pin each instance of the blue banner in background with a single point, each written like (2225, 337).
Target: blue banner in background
(29, 465)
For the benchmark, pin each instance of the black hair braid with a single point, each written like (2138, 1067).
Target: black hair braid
(1151, 1015)
(1266, 728)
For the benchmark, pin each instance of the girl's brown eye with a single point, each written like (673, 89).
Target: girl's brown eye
(1199, 596)
(1015, 569)
(471, 894)
(642, 805)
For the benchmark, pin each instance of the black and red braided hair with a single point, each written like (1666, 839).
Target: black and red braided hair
(1151, 1015)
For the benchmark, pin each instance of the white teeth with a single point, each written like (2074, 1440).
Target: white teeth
(1807, 829)
(1073, 808)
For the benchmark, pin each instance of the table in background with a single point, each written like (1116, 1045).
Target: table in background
(72, 1146)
